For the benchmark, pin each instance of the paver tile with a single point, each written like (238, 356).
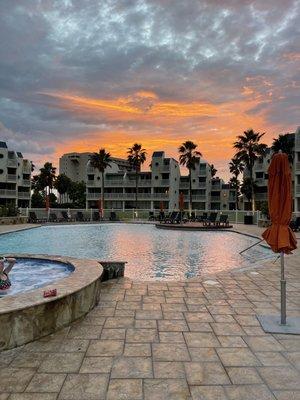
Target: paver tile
(62, 362)
(33, 396)
(132, 367)
(209, 373)
(163, 389)
(172, 325)
(137, 350)
(125, 389)
(100, 365)
(84, 386)
(231, 328)
(119, 322)
(280, 377)
(232, 357)
(263, 343)
(168, 369)
(170, 352)
(14, 380)
(249, 392)
(208, 393)
(107, 348)
(201, 339)
(134, 335)
(243, 375)
(46, 383)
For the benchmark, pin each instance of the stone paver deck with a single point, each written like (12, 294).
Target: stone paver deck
(192, 340)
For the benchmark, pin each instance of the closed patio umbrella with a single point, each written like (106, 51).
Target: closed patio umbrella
(279, 235)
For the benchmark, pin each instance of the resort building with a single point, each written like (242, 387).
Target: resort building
(158, 188)
(15, 178)
(260, 173)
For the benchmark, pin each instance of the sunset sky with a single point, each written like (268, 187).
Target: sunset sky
(78, 75)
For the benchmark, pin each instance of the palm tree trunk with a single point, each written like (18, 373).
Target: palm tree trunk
(252, 190)
(102, 193)
(190, 183)
(237, 194)
(136, 188)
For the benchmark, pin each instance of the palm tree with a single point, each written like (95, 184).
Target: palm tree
(101, 161)
(248, 187)
(236, 167)
(62, 184)
(47, 176)
(136, 157)
(249, 149)
(213, 170)
(189, 157)
(286, 144)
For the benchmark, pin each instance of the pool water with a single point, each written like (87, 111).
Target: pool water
(28, 274)
(151, 253)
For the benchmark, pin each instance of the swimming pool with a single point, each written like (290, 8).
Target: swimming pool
(151, 253)
(29, 273)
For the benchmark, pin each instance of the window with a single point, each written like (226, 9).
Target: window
(156, 177)
(156, 164)
(1, 155)
(1, 171)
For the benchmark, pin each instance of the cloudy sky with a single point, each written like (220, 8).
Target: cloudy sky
(78, 75)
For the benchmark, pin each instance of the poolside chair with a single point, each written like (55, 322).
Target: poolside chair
(202, 218)
(170, 218)
(295, 224)
(80, 216)
(53, 217)
(223, 221)
(113, 216)
(32, 217)
(65, 216)
(161, 216)
(180, 217)
(151, 216)
(96, 216)
(211, 220)
(192, 217)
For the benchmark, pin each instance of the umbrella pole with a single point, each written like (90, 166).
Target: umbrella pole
(283, 291)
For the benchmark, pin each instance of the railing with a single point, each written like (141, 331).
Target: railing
(215, 198)
(127, 196)
(197, 197)
(261, 181)
(8, 193)
(11, 177)
(25, 182)
(24, 195)
(120, 183)
(184, 185)
(12, 162)
(261, 196)
(161, 182)
(234, 216)
(297, 189)
(297, 166)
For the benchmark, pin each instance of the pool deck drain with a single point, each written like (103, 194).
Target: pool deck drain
(168, 340)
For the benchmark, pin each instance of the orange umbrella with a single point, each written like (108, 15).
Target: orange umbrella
(161, 206)
(181, 201)
(279, 235)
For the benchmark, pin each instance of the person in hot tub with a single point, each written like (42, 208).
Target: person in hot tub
(4, 271)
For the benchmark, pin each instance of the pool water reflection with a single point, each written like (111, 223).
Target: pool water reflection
(151, 253)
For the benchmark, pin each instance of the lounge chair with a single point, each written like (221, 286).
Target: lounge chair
(33, 219)
(113, 216)
(151, 216)
(170, 218)
(161, 216)
(223, 221)
(192, 217)
(211, 220)
(80, 216)
(65, 216)
(96, 216)
(53, 217)
(202, 218)
(295, 225)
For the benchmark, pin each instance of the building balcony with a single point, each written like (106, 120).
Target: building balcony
(25, 182)
(297, 191)
(261, 196)
(5, 193)
(11, 178)
(128, 196)
(261, 181)
(215, 198)
(184, 185)
(297, 166)
(11, 162)
(197, 198)
(161, 182)
(24, 195)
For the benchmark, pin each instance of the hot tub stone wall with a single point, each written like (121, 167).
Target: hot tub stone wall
(29, 316)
